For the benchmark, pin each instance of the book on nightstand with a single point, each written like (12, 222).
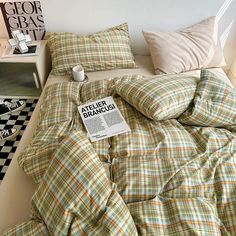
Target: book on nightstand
(34, 49)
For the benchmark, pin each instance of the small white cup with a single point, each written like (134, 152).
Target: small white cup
(78, 73)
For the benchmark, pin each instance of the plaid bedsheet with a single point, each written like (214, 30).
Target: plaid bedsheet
(163, 178)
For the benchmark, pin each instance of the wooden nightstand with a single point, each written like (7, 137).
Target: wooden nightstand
(42, 62)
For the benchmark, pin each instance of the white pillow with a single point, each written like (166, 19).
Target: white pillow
(193, 48)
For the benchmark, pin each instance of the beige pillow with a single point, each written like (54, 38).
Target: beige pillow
(193, 48)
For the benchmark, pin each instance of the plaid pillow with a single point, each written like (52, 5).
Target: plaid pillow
(214, 103)
(159, 98)
(109, 49)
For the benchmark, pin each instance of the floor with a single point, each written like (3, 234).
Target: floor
(17, 80)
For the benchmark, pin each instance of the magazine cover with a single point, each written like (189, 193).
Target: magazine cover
(102, 119)
(25, 16)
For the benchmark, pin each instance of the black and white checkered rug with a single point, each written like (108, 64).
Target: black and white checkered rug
(17, 120)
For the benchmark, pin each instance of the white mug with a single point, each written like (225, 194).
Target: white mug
(78, 73)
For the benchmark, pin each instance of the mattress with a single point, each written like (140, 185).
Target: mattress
(17, 188)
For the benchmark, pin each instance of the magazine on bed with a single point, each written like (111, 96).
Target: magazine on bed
(102, 119)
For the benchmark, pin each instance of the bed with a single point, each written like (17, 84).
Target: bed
(174, 174)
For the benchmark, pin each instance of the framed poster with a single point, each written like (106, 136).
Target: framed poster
(24, 16)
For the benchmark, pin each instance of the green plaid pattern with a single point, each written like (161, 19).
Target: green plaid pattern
(56, 122)
(159, 99)
(214, 103)
(33, 227)
(75, 197)
(164, 177)
(106, 50)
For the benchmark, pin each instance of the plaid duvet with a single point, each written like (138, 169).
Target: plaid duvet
(162, 178)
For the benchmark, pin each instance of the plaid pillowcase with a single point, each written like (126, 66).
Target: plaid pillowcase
(214, 103)
(159, 98)
(106, 50)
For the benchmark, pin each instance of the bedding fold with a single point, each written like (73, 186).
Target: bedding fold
(75, 197)
(165, 177)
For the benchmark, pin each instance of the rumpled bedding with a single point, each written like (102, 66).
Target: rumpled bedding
(165, 177)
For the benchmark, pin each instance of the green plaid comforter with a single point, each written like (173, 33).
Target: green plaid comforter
(162, 178)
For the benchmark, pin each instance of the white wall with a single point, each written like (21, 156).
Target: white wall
(90, 16)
